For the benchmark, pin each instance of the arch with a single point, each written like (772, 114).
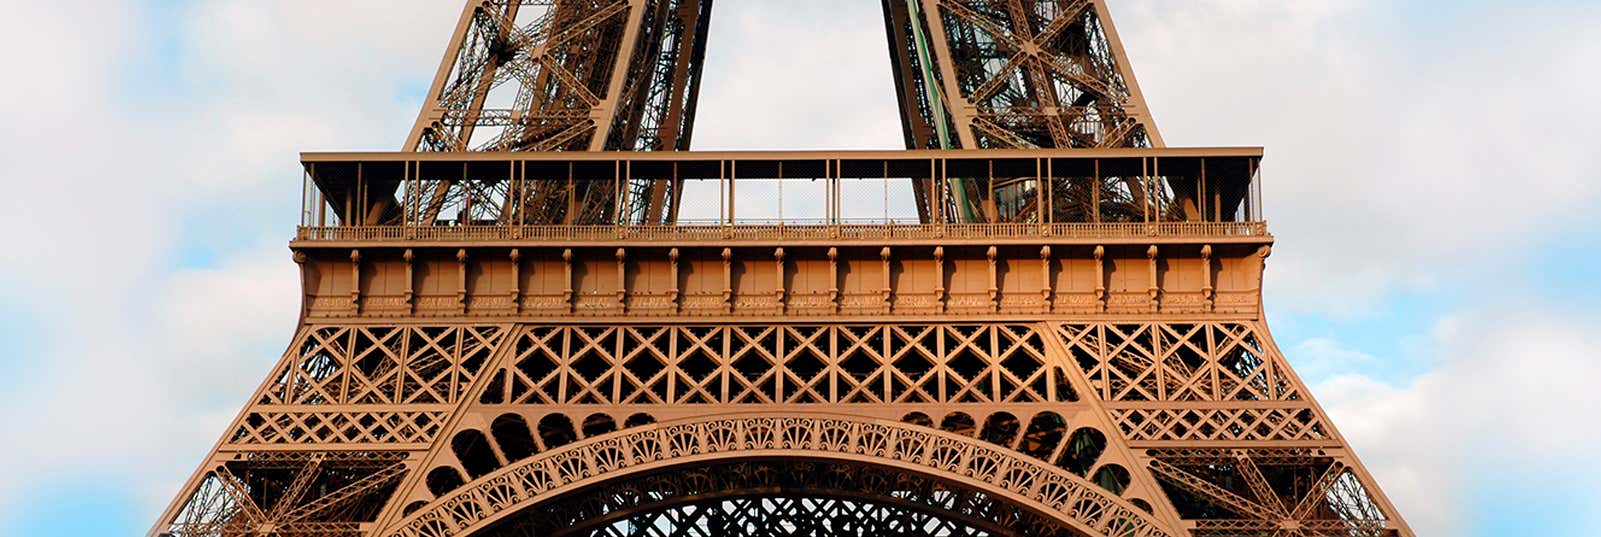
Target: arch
(598, 424)
(1083, 449)
(556, 430)
(802, 495)
(444, 479)
(472, 449)
(959, 423)
(1070, 500)
(1000, 429)
(638, 419)
(1113, 478)
(1044, 432)
(511, 433)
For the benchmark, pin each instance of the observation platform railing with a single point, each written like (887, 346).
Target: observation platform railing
(786, 232)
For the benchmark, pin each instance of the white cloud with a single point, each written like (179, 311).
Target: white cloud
(1317, 358)
(798, 75)
(145, 362)
(1513, 399)
(1393, 150)
(141, 399)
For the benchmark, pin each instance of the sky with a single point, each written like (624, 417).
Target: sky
(1431, 174)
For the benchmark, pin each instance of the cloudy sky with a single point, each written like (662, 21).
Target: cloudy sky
(1431, 174)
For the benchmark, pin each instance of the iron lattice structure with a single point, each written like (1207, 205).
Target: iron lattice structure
(505, 332)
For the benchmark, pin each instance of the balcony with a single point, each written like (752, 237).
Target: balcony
(1084, 196)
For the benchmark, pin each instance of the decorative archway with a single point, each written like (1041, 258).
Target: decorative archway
(1017, 480)
(777, 497)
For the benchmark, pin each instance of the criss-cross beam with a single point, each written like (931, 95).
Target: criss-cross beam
(559, 75)
(1018, 74)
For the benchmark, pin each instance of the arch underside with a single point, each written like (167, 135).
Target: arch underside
(677, 470)
(776, 497)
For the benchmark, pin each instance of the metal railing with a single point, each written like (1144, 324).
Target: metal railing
(771, 232)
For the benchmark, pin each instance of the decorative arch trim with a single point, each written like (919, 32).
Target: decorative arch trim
(1050, 491)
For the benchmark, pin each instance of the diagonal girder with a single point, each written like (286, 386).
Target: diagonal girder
(1014, 74)
(1259, 485)
(579, 75)
(362, 486)
(1178, 476)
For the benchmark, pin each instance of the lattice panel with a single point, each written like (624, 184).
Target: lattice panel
(382, 365)
(1146, 372)
(1041, 77)
(1178, 362)
(371, 427)
(1242, 424)
(368, 384)
(1265, 491)
(792, 364)
(326, 494)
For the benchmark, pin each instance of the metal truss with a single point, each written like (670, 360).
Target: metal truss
(542, 75)
(1016, 74)
(783, 364)
(323, 493)
(546, 75)
(1118, 413)
(530, 345)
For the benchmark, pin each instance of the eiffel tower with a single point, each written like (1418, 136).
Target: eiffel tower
(508, 330)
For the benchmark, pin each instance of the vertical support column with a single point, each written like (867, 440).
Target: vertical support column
(622, 280)
(939, 278)
(301, 258)
(833, 278)
(411, 283)
(936, 174)
(994, 281)
(461, 280)
(567, 279)
(1145, 185)
(1155, 290)
(1047, 291)
(1208, 292)
(779, 289)
(728, 280)
(677, 294)
(355, 282)
(618, 191)
(885, 291)
(1050, 195)
(733, 177)
(1039, 195)
(516, 293)
(1100, 278)
(1261, 265)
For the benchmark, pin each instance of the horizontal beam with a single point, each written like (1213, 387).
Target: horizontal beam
(1226, 163)
(791, 235)
(712, 156)
(1207, 184)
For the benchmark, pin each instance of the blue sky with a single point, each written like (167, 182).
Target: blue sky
(1431, 178)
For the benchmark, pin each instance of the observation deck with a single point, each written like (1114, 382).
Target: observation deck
(1092, 232)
